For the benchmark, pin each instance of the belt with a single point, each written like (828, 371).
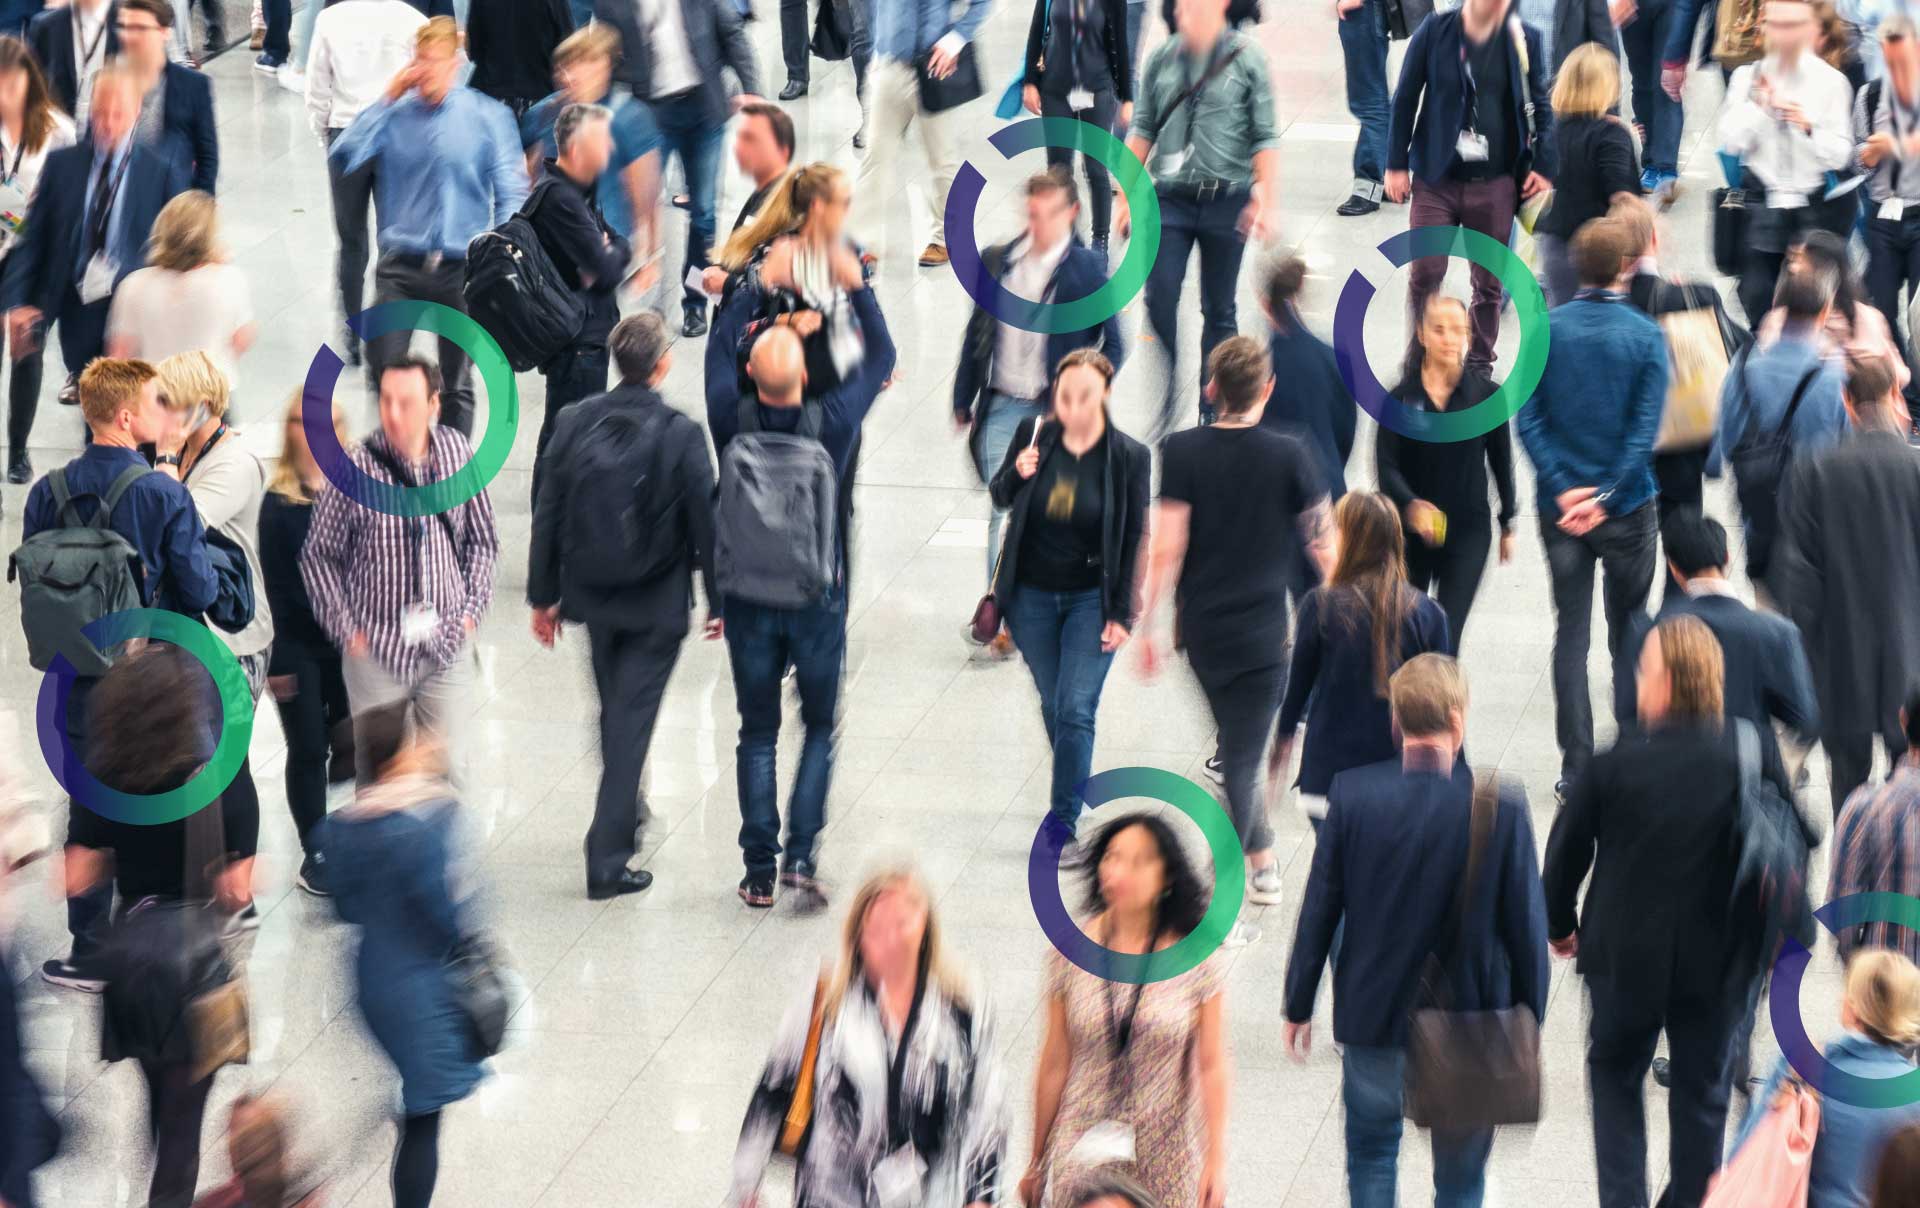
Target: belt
(1204, 190)
(427, 260)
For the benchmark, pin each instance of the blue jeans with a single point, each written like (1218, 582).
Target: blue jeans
(1058, 634)
(1363, 43)
(1370, 1083)
(1209, 223)
(1644, 38)
(684, 126)
(1004, 414)
(303, 41)
(762, 643)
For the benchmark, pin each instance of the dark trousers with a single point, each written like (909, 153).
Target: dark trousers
(1058, 635)
(1245, 701)
(279, 15)
(796, 39)
(1136, 14)
(1850, 759)
(1644, 39)
(1770, 232)
(176, 1105)
(1451, 573)
(1621, 1036)
(1893, 271)
(1479, 205)
(762, 643)
(1099, 186)
(1680, 477)
(691, 136)
(23, 398)
(316, 721)
(579, 372)
(1625, 548)
(87, 910)
(630, 670)
(216, 19)
(1363, 46)
(1210, 222)
(83, 330)
(404, 277)
(352, 206)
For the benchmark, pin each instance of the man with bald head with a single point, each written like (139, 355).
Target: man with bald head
(757, 437)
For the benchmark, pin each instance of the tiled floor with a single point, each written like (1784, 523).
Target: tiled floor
(647, 1017)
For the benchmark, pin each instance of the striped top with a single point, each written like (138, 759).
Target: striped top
(1877, 850)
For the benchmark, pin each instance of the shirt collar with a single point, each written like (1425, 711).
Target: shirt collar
(1047, 258)
(113, 453)
(1592, 293)
(1708, 586)
(1421, 758)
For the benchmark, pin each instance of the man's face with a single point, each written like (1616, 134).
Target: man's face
(1790, 27)
(437, 66)
(1903, 63)
(142, 38)
(407, 411)
(1049, 218)
(148, 420)
(592, 149)
(113, 112)
(755, 150)
(586, 79)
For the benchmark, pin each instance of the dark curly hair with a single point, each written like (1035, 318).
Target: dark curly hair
(1186, 895)
(151, 721)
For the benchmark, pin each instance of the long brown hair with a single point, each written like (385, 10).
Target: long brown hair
(36, 117)
(1696, 669)
(785, 209)
(1370, 565)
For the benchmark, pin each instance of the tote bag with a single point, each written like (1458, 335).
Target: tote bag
(1773, 1169)
(1698, 357)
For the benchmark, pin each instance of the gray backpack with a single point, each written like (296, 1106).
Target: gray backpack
(776, 523)
(73, 574)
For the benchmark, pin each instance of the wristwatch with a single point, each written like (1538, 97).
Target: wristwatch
(166, 459)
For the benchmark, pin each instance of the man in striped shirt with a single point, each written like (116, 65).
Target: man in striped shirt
(1877, 844)
(399, 595)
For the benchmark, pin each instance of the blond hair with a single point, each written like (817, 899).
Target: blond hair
(437, 32)
(1883, 991)
(186, 234)
(189, 379)
(286, 481)
(596, 41)
(1636, 219)
(108, 384)
(785, 209)
(1426, 692)
(1696, 668)
(1587, 84)
(939, 973)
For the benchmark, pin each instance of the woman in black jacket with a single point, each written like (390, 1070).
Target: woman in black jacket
(1079, 66)
(1441, 489)
(1075, 488)
(1596, 160)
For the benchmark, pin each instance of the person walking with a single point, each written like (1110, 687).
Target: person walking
(636, 615)
(1594, 151)
(1079, 67)
(1075, 491)
(1644, 36)
(1441, 489)
(512, 44)
(446, 166)
(1871, 839)
(1886, 120)
(1363, 28)
(31, 128)
(1854, 327)
(1412, 862)
(176, 106)
(1315, 405)
(1205, 129)
(855, 18)
(72, 42)
(763, 145)
(189, 298)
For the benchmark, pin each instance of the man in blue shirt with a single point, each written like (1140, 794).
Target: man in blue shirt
(1589, 432)
(628, 191)
(449, 167)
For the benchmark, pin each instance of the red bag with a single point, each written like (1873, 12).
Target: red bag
(1774, 1167)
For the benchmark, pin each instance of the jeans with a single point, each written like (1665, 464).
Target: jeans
(1004, 414)
(1479, 205)
(630, 670)
(1370, 1085)
(175, 1108)
(1625, 547)
(1451, 573)
(1363, 44)
(579, 372)
(762, 643)
(23, 398)
(404, 277)
(316, 722)
(1893, 271)
(1058, 634)
(1645, 38)
(688, 134)
(1211, 223)
(279, 15)
(309, 13)
(1245, 701)
(1099, 186)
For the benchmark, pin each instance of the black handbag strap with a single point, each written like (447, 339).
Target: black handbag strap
(1486, 804)
(392, 466)
(1194, 89)
(1793, 404)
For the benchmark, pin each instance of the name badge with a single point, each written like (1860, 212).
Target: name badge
(1892, 208)
(1106, 1142)
(1472, 147)
(96, 284)
(418, 623)
(899, 1178)
(1079, 99)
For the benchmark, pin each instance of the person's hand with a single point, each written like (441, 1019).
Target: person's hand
(1567, 500)
(1583, 519)
(1253, 225)
(941, 64)
(21, 321)
(1621, 11)
(804, 322)
(283, 687)
(1567, 947)
(1028, 463)
(714, 630)
(546, 625)
(467, 624)
(407, 79)
(1793, 115)
(1424, 519)
(1346, 8)
(742, 100)
(1506, 548)
(1297, 1039)
(1030, 98)
(647, 275)
(846, 270)
(1673, 77)
(233, 888)
(1398, 185)
(1113, 636)
(1126, 115)
(173, 437)
(1213, 1184)
(714, 279)
(357, 645)
(1030, 1186)
(1534, 185)
(1761, 92)
(1878, 146)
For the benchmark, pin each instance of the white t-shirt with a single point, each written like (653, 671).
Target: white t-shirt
(163, 312)
(17, 186)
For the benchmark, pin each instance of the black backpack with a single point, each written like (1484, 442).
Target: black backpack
(75, 573)
(514, 290)
(630, 527)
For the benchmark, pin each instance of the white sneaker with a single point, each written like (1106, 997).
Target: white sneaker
(1243, 933)
(291, 78)
(1264, 886)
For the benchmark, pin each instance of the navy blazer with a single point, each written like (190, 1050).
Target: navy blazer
(50, 37)
(714, 32)
(188, 138)
(1433, 86)
(1388, 861)
(41, 268)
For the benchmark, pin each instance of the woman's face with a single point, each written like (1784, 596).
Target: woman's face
(828, 214)
(895, 927)
(586, 79)
(1444, 335)
(1133, 873)
(1080, 399)
(297, 445)
(13, 90)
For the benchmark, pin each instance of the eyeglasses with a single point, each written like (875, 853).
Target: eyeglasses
(124, 28)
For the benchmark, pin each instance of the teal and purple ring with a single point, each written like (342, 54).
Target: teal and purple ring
(1791, 1031)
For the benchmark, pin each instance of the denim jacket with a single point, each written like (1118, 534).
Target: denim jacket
(1851, 1137)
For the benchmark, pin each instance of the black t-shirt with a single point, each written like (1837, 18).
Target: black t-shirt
(1077, 62)
(1491, 114)
(1060, 549)
(1246, 488)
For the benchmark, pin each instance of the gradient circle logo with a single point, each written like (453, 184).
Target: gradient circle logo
(236, 720)
(1229, 880)
(1052, 318)
(1442, 427)
(428, 499)
(1801, 1053)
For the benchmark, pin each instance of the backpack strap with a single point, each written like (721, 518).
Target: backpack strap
(749, 414)
(121, 486)
(813, 418)
(1793, 405)
(63, 498)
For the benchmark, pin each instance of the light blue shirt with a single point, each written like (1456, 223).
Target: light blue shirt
(1754, 399)
(447, 172)
(117, 164)
(903, 29)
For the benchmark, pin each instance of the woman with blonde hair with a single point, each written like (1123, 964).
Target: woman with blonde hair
(188, 298)
(31, 127)
(304, 674)
(908, 1098)
(1596, 158)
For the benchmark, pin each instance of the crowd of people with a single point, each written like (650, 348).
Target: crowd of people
(1303, 596)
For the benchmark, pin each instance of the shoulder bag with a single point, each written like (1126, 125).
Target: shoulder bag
(798, 1122)
(1774, 1168)
(937, 95)
(1470, 1070)
(1698, 354)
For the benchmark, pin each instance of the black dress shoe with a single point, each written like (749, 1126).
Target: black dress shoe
(1355, 206)
(793, 91)
(1662, 1071)
(69, 395)
(630, 880)
(19, 469)
(694, 321)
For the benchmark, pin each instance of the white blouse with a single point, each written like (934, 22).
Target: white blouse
(20, 175)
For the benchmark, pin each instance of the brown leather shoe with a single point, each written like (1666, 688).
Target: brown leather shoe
(934, 256)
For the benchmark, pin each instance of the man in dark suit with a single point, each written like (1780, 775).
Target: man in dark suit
(176, 106)
(1847, 570)
(95, 208)
(675, 62)
(73, 43)
(1390, 859)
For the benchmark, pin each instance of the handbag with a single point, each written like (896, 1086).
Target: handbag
(832, 40)
(987, 618)
(479, 984)
(798, 1121)
(1729, 229)
(1774, 1168)
(938, 96)
(1012, 99)
(1698, 355)
(1770, 877)
(1470, 1070)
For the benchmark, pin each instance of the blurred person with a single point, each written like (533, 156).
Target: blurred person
(677, 56)
(1112, 1190)
(446, 167)
(1789, 118)
(1075, 490)
(98, 203)
(763, 144)
(855, 17)
(120, 401)
(1644, 35)
(1352, 633)
(401, 596)
(1205, 129)
(1595, 154)
(1315, 404)
(1880, 1025)
(304, 672)
(1441, 489)
(765, 639)
(31, 128)
(512, 45)
(189, 298)
(1468, 156)
(358, 47)
(1658, 933)
(1896, 1180)
(1240, 506)
(1005, 373)
(636, 613)
(907, 34)
(390, 860)
(1839, 44)
(72, 42)
(1846, 572)
(1080, 67)
(1872, 842)
(1363, 28)
(1886, 122)
(1854, 326)
(906, 1064)
(30, 1134)
(176, 106)
(259, 1148)
(1589, 433)
(1389, 867)
(1147, 1061)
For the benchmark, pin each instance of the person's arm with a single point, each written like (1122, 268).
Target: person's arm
(848, 404)
(1265, 140)
(508, 171)
(1619, 173)
(1322, 905)
(1305, 666)
(641, 179)
(1523, 908)
(966, 28)
(1570, 846)
(364, 139)
(478, 556)
(1862, 131)
(1537, 437)
(1648, 400)
(1406, 98)
(1790, 697)
(1147, 118)
(320, 83)
(1133, 541)
(184, 561)
(723, 380)
(1832, 133)
(324, 559)
(1051, 1068)
(544, 546)
(206, 137)
(696, 492)
(967, 378)
(1732, 420)
(1346, 414)
(1215, 1075)
(1387, 447)
(1539, 84)
(1500, 462)
(772, 1094)
(1006, 481)
(1743, 123)
(1171, 518)
(602, 262)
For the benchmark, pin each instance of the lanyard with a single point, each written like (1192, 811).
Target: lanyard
(1077, 17)
(1899, 139)
(19, 153)
(898, 1128)
(1120, 1031)
(87, 53)
(200, 457)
